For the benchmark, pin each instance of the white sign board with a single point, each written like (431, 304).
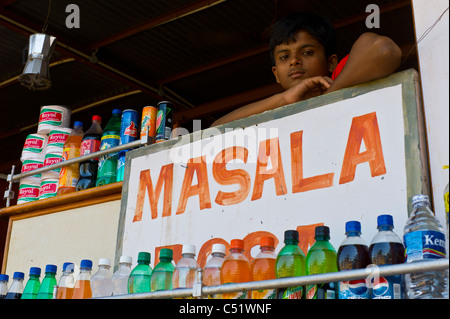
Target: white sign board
(326, 165)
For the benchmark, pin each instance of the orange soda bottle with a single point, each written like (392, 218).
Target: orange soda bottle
(235, 269)
(68, 176)
(263, 268)
(82, 288)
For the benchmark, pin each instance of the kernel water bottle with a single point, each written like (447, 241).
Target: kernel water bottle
(290, 262)
(69, 175)
(140, 276)
(120, 277)
(33, 284)
(82, 288)
(101, 281)
(3, 285)
(387, 248)
(235, 269)
(424, 239)
(16, 289)
(163, 272)
(211, 271)
(48, 283)
(321, 258)
(263, 268)
(66, 283)
(185, 272)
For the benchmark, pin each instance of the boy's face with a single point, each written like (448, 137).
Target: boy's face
(302, 59)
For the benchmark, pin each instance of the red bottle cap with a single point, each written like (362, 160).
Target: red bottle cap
(96, 118)
(267, 241)
(237, 243)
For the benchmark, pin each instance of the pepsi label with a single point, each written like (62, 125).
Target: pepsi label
(389, 287)
(354, 289)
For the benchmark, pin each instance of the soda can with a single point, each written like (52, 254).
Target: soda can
(148, 123)
(129, 126)
(164, 121)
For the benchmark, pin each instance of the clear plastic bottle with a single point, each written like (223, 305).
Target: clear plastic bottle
(121, 275)
(48, 283)
(290, 262)
(33, 284)
(90, 144)
(82, 289)
(69, 175)
(140, 276)
(66, 283)
(16, 289)
(163, 271)
(101, 281)
(236, 269)
(424, 239)
(263, 267)
(107, 165)
(185, 272)
(3, 285)
(386, 248)
(211, 271)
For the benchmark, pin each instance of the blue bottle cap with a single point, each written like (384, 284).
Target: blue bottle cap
(4, 277)
(35, 271)
(19, 275)
(68, 266)
(385, 220)
(86, 263)
(353, 226)
(116, 111)
(78, 123)
(51, 268)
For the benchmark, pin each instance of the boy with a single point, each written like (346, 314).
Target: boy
(303, 52)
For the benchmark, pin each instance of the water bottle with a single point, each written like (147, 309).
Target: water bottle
(163, 271)
(321, 258)
(353, 253)
(424, 239)
(290, 262)
(120, 277)
(16, 289)
(82, 289)
(185, 273)
(211, 271)
(48, 283)
(33, 284)
(235, 269)
(386, 248)
(140, 276)
(101, 281)
(66, 282)
(263, 267)
(107, 165)
(3, 285)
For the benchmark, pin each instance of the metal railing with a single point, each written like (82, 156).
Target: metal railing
(199, 291)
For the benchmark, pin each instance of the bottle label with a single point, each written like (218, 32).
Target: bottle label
(321, 291)
(354, 289)
(89, 146)
(426, 244)
(389, 287)
(292, 293)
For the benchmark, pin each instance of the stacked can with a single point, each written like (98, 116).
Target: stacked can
(164, 121)
(128, 133)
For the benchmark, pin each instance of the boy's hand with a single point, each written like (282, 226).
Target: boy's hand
(307, 89)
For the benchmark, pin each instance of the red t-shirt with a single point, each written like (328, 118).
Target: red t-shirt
(339, 68)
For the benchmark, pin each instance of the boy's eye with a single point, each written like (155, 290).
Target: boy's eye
(308, 52)
(283, 57)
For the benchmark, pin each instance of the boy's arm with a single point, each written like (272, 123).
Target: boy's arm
(371, 57)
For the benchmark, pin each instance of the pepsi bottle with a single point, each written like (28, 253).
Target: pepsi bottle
(387, 248)
(353, 254)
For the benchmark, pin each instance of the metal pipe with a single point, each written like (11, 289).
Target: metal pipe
(373, 270)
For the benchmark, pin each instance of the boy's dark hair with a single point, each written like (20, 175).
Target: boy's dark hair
(285, 29)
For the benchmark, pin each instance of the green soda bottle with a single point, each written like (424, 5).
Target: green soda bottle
(321, 258)
(33, 284)
(139, 279)
(290, 262)
(48, 283)
(107, 165)
(162, 274)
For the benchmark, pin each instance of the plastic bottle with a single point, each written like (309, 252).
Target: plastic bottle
(120, 277)
(107, 165)
(290, 262)
(424, 239)
(3, 285)
(212, 269)
(446, 205)
(163, 271)
(69, 175)
(140, 276)
(33, 284)
(386, 248)
(66, 283)
(48, 283)
(101, 281)
(353, 253)
(16, 289)
(90, 144)
(263, 268)
(235, 269)
(321, 258)
(185, 272)
(82, 289)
